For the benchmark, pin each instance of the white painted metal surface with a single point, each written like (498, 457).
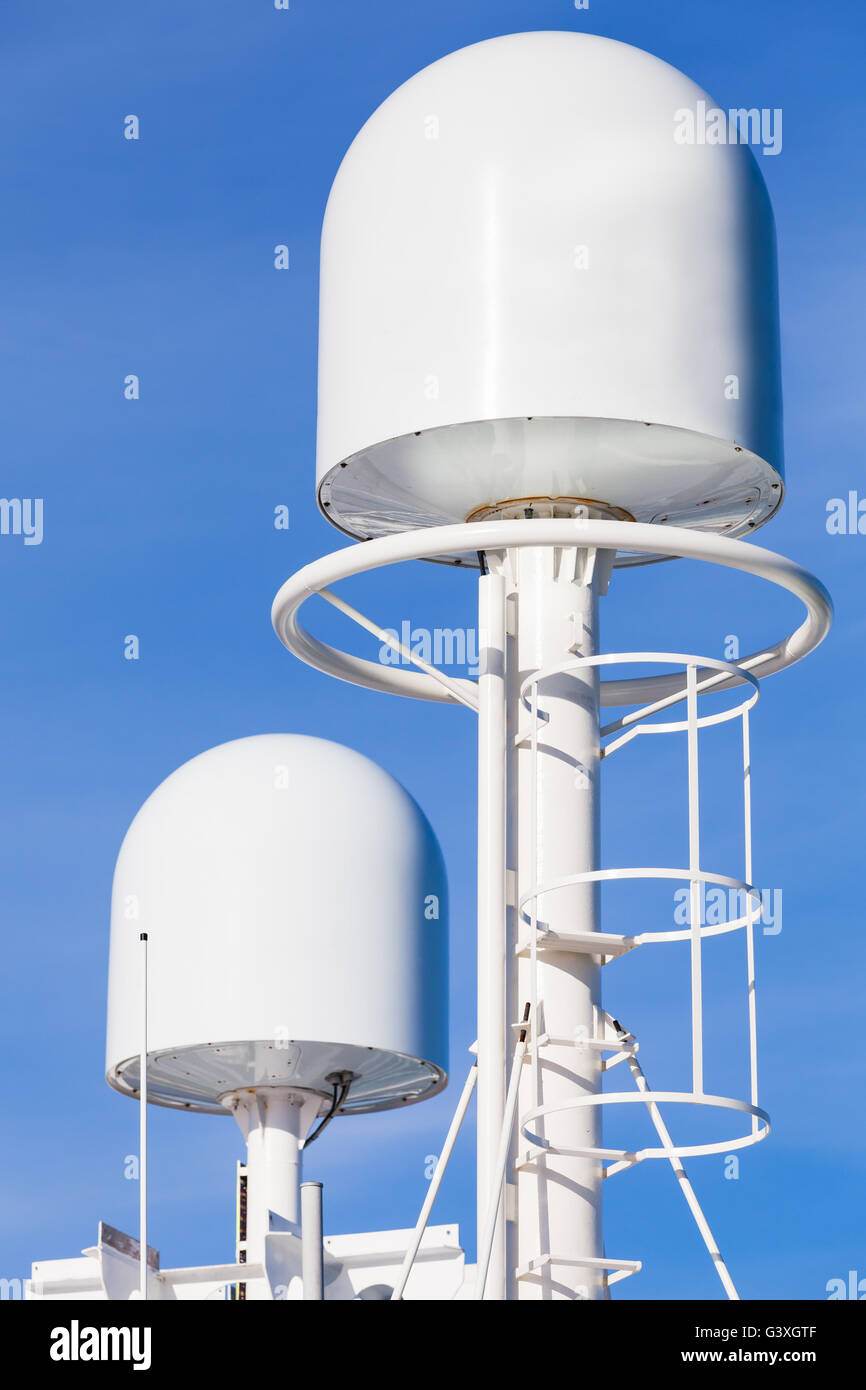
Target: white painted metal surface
(435, 1183)
(374, 1260)
(503, 535)
(541, 1154)
(352, 1264)
(554, 798)
(531, 288)
(494, 1044)
(492, 1216)
(312, 1249)
(274, 1121)
(295, 902)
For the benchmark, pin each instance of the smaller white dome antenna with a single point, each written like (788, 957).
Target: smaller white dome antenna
(292, 902)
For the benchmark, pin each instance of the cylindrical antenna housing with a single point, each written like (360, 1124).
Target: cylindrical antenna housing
(296, 907)
(541, 280)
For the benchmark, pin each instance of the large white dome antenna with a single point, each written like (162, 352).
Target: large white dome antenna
(530, 289)
(549, 346)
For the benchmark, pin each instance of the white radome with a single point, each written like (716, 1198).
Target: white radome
(530, 289)
(295, 903)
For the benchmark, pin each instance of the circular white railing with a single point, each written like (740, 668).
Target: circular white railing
(488, 536)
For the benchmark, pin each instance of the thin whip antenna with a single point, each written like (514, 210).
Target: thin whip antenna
(142, 1128)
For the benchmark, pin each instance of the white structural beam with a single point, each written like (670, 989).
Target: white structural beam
(554, 833)
(494, 1046)
(435, 1184)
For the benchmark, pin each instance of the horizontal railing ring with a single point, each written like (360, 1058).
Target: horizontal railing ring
(646, 938)
(503, 535)
(722, 1146)
(705, 687)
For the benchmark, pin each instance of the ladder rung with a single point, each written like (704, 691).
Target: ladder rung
(619, 1268)
(590, 943)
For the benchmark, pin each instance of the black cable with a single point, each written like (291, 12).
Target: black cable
(341, 1081)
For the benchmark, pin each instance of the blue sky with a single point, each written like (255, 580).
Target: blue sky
(156, 258)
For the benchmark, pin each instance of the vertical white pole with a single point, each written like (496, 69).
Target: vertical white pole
(435, 1184)
(312, 1248)
(752, 917)
(142, 1127)
(695, 886)
(486, 1245)
(274, 1121)
(493, 1045)
(554, 832)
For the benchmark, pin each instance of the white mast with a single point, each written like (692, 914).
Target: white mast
(553, 833)
(549, 340)
(537, 754)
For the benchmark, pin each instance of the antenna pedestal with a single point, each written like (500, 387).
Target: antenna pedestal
(274, 1121)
